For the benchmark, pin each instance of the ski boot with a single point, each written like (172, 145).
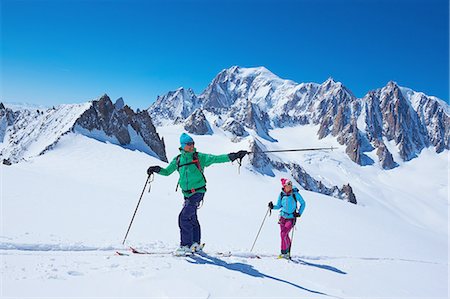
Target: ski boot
(183, 251)
(197, 248)
(285, 254)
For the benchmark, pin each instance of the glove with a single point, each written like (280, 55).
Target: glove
(153, 169)
(270, 205)
(297, 214)
(238, 155)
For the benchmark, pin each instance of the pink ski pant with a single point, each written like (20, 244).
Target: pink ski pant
(285, 227)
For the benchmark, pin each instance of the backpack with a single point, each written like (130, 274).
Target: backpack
(195, 161)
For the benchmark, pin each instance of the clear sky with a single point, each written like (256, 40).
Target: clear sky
(70, 51)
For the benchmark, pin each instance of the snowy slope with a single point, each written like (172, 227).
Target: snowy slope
(34, 131)
(65, 213)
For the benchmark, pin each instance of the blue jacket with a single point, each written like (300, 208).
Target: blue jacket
(288, 203)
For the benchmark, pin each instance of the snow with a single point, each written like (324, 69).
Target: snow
(24, 141)
(442, 104)
(415, 97)
(66, 212)
(136, 141)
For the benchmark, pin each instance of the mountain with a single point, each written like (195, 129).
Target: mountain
(236, 93)
(390, 124)
(120, 125)
(174, 106)
(29, 133)
(433, 114)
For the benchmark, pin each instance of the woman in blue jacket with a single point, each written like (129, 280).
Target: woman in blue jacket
(287, 204)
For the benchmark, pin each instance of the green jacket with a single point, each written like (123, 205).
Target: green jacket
(190, 176)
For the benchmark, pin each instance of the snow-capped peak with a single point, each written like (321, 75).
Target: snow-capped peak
(330, 105)
(174, 106)
(330, 80)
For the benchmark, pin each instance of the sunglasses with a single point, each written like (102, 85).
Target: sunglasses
(289, 184)
(189, 143)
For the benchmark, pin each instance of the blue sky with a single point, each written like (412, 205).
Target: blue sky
(71, 51)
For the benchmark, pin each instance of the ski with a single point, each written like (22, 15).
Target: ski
(224, 254)
(138, 251)
(134, 250)
(142, 252)
(241, 255)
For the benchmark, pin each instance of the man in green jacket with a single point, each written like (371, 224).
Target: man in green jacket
(190, 165)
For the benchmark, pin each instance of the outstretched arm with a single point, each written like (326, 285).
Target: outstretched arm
(208, 159)
(164, 171)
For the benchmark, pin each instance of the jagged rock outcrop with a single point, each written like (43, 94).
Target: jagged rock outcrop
(261, 162)
(434, 114)
(310, 184)
(401, 122)
(384, 155)
(119, 104)
(348, 194)
(198, 124)
(373, 117)
(7, 117)
(356, 143)
(123, 124)
(252, 117)
(234, 127)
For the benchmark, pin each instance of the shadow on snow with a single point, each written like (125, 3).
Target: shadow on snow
(205, 259)
(325, 267)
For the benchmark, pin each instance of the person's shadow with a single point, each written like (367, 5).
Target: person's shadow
(325, 267)
(205, 259)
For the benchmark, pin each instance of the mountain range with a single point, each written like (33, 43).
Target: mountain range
(393, 120)
(388, 126)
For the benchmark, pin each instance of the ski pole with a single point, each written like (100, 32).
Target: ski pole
(260, 229)
(292, 239)
(132, 218)
(295, 150)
